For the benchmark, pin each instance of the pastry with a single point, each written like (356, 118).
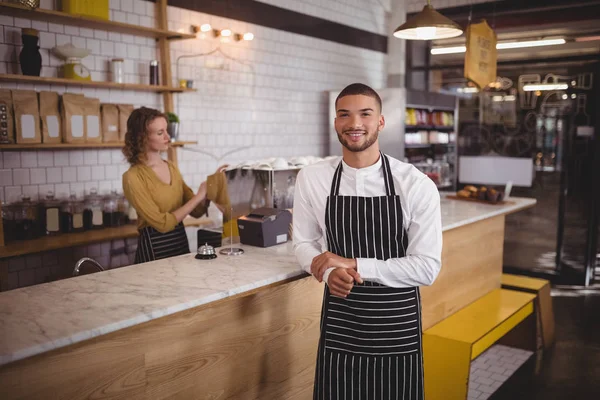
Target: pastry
(463, 193)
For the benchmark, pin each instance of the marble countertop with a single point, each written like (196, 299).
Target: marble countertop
(44, 317)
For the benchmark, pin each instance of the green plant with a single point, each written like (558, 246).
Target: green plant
(172, 117)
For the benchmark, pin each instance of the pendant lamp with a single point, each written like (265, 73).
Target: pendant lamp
(428, 25)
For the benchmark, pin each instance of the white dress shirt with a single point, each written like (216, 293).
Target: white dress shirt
(420, 210)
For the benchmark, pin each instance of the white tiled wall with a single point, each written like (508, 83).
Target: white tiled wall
(417, 5)
(266, 96)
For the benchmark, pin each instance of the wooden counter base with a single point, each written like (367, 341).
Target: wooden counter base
(259, 345)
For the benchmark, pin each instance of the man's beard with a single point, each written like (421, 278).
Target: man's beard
(370, 138)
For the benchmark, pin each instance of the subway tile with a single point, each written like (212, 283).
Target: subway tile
(104, 157)
(114, 36)
(21, 176)
(56, 28)
(78, 42)
(26, 278)
(61, 158)
(72, 30)
(93, 45)
(127, 6)
(12, 194)
(12, 159)
(120, 16)
(133, 19)
(54, 175)
(62, 39)
(6, 177)
(111, 172)
(101, 35)
(107, 48)
(22, 23)
(69, 174)
(32, 191)
(62, 190)
(84, 173)
(45, 158)
(85, 32)
(39, 25)
(10, 21)
(47, 40)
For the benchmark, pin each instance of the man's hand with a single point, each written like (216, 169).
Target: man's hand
(329, 260)
(341, 281)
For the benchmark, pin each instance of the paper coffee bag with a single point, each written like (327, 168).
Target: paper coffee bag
(110, 123)
(50, 117)
(125, 111)
(73, 121)
(27, 116)
(7, 127)
(92, 120)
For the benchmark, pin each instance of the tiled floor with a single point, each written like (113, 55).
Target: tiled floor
(493, 368)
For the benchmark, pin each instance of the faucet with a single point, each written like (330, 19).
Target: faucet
(79, 263)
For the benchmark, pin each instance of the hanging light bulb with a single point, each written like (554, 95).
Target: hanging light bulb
(248, 36)
(226, 32)
(428, 25)
(205, 28)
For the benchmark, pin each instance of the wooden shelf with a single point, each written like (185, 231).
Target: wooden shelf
(429, 127)
(72, 146)
(66, 240)
(62, 18)
(95, 84)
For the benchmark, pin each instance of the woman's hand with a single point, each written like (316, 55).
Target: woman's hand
(222, 168)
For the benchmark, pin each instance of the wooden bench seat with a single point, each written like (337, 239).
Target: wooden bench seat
(543, 304)
(451, 345)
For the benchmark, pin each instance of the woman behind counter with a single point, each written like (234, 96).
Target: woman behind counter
(155, 188)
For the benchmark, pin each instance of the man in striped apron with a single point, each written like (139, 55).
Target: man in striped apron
(380, 219)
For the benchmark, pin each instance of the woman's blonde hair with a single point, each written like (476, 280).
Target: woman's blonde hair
(137, 133)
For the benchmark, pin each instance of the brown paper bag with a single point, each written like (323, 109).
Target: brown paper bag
(92, 121)
(27, 116)
(125, 111)
(50, 116)
(110, 123)
(73, 121)
(7, 127)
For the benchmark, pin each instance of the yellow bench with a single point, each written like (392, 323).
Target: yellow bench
(451, 345)
(543, 303)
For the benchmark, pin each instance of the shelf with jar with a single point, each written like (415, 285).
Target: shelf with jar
(53, 223)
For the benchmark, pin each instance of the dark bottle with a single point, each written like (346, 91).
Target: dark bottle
(30, 57)
(154, 72)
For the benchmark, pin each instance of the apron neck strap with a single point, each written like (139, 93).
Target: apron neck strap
(387, 177)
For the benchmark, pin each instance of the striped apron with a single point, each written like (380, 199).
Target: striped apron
(153, 245)
(370, 344)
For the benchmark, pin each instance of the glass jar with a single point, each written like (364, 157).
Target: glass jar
(50, 215)
(72, 215)
(123, 208)
(92, 214)
(8, 222)
(131, 214)
(26, 219)
(110, 212)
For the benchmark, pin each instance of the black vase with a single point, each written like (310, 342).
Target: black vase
(30, 57)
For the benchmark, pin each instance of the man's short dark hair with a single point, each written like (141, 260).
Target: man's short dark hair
(356, 89)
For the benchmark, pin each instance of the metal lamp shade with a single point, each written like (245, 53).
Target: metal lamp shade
(428, 25)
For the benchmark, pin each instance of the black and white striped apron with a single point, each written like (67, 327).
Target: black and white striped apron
(153, 245)
(370, 344)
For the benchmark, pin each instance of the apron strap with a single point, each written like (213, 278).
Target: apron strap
(387, 177)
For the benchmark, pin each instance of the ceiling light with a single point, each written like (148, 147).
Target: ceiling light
(428, 25)
(530, 43)
(545, 86)
(449, 50)
(248, 36)
(225, 32)
(501, 46)
(205, 28)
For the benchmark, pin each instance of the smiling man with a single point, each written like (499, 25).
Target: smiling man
(380, 219)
